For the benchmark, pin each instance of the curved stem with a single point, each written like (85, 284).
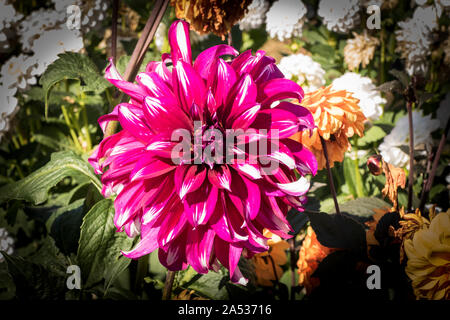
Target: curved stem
(411, 157)
(167, 292)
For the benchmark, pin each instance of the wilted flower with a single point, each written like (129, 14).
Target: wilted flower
(337, 117)
(414, 39)
(215, 209)
(255, 15)
(216, 16)
(285, 19)
(9, 18)
(374, 164)
(18, 72)
(311, 254)
(395, 178)
(339, 15)
(428, 255)
(6, 243)
(391, 149)
(360, 50)
(303, 70)
(268, 264)
(362, 88)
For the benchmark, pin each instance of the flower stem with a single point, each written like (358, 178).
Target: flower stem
(115, 8)
(429, 182)
(167, 292)
(142, 268)
(292, 265)
(411, 156)
(330, 176)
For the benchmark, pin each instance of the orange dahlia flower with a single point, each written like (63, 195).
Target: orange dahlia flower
(311, 254)
(268, 264)
(338, 117)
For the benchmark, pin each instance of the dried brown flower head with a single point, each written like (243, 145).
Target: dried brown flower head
(216, 16)
(360, 50)
(395, 178)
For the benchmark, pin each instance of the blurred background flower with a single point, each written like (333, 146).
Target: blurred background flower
(285, 19)
(9, 18)
(255, 15)
(360, 50)
(339, 15)
(6, 243)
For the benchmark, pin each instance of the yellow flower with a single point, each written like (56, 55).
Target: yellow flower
(360, 50)
(268, 264)
(204, 16)
(338, 117)
(428, 255)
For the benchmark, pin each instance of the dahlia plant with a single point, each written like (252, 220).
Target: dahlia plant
(208, 210)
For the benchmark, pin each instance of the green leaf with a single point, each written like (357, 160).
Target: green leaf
(363, 207)
(374, 134)
(211, 285)
(339, 231)
(71, 65)
(35, 187)
(100, 245)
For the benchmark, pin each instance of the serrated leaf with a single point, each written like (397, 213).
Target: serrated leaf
(211, 285)
(35, 187)
(100, 244)
(339, 231)
(71, 65)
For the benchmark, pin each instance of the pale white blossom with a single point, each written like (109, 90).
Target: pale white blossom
(160, 36)
(339, 15)
(415, 37)
(6, 243)
(285, 19)
(395, 145)
(440, 6)
(47, 47)
(9, 18)
(303, 70)
(18, 72)
(8, 107)
(93, 12)
(370, 100)
(36, 24)
(255, 15)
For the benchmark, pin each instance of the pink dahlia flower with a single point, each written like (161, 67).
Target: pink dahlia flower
(197, 210)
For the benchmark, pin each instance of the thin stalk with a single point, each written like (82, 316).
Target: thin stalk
(411, 156)
(139, 51)
(274, 268)
(230, 39)
(142, 268)
(115, 8)
(292, 266)
(167, 292)
(72, 132)
(429, 182)
(86, 126)
(330, 176)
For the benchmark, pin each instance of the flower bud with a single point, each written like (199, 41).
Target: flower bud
(375, 165)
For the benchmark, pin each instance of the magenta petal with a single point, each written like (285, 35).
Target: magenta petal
(179, 41)
(304, 117)
(131, 89)
(188, 86)
(305, 160)
(279, 89)
(221, 80)
(200, 205)
(244, 120)
(156, 87)
(131, 118)
(160, 68)
(207, 58)
(282, 124)
(149, 167)
(243, 95)
(147, 244)
(163, 115)
(189, 179)
(220, 177)
(199, 248)
(173, 257)
(103, 121)
(173, 224)
(296, 188)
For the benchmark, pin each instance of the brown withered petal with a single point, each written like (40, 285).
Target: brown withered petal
(216, 16)
(395, 178)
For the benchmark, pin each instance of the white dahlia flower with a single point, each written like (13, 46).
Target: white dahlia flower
(18, 72)
(8, 107)
(394, 145)
(303, 70)
(285, 19)
(36, 24)
(370, 100)
(9, 17)
(93, 12)
(255, 15)
(47, 47)
(339, 15)
(6, 243)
